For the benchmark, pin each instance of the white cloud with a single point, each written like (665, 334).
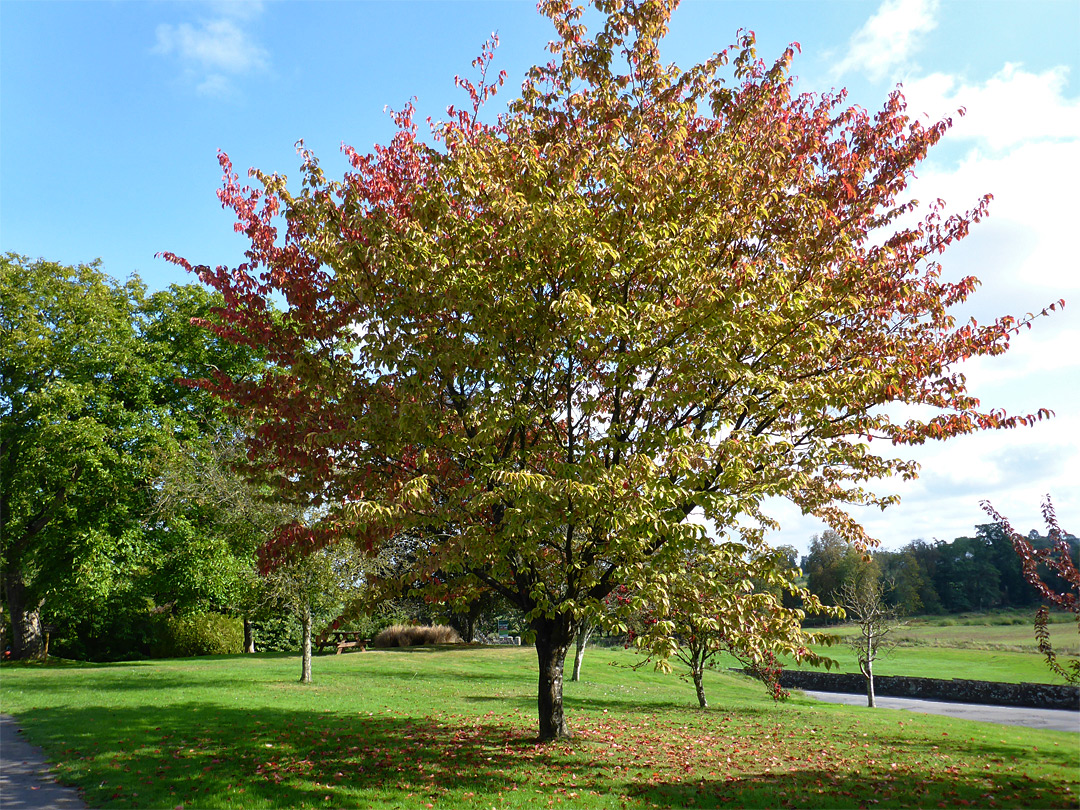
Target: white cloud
(214, 45)
(1021, 142)
(1013, 469)
(889, 37)
(214, 85)
(1028, 242)
(1012, 107)
(1049, 349)
(215, 50)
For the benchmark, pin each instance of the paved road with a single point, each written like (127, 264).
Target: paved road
(1056, 719)
(25, 781)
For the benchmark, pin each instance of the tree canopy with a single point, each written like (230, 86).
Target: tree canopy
(89, 397)
(546, 341)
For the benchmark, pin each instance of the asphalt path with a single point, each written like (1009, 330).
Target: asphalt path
(25, 780)
(1055, 719)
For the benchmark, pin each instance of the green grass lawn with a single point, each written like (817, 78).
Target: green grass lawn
(1013, 637)
(948, 662)
(455, 727)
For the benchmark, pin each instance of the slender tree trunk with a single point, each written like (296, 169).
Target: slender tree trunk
(869, 670)
(305, 649)
(553, 637)
(249, 636)
(698, 674)
(27, 640)
(582, 639)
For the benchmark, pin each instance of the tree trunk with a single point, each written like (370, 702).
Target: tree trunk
(582, 639)
(305, 648)
(466, 622)
(249, 636)
(469, 628)
(699, 685)
(553, 637)
(26, 634)
(869, 669)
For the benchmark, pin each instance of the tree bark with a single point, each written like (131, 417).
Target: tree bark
(699, 685)
(553, 637)
(466, 622)
(27, 640)
(869, 670)
(249, 636)
(582, 639)
(305, 648)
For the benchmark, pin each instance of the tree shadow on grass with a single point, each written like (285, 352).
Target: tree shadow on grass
(209, 755)
(590, 703)
(217, 753)
(158, 678)
(662, 707)
(876, 788)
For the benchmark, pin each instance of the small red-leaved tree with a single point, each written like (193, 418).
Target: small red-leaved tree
(729, 600)
(543, 341)
(1055, 559)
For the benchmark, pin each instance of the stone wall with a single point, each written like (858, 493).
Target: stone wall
(960, 690)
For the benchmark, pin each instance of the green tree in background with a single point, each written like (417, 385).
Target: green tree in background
(88, 396)
(77, 417)
(831, 562)
(728, 600)
(318, 586)
(211, 521)
(907, 587)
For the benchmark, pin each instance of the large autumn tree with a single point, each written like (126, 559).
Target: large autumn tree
(642, 294)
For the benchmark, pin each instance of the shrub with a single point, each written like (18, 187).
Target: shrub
(114, 632)
(201, 634)
(277, 632)
(402, 635)
(378, 618)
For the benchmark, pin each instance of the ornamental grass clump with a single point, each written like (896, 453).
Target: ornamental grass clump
(405, 635)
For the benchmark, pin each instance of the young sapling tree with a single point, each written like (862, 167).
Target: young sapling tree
(863, 600)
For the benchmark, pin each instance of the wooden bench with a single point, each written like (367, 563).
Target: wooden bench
(340, 639)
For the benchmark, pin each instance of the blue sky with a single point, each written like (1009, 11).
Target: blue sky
(111, 115)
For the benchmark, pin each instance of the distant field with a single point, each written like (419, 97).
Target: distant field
(952, 662)
(1019, 638)
(979, 646)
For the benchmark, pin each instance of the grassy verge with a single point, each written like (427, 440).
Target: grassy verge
(1019, 637)
(990, 647)
(947, 662)
(449, 727)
